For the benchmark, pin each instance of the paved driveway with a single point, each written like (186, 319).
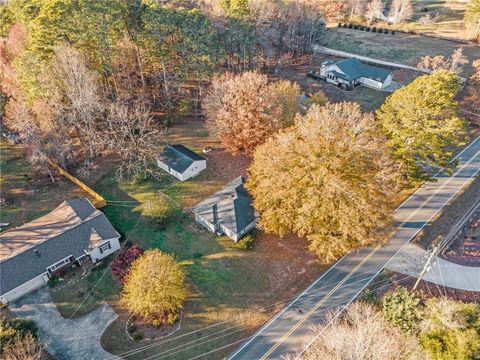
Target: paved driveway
(69, 339)
(412, 258)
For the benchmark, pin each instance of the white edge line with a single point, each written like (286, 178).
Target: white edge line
(383, 267)
(439, 171)
(258, 332)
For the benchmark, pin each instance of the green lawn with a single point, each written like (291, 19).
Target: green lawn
(83, 294)
(228, 288)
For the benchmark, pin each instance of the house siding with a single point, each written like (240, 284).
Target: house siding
(206, 224)
(97, 255)
(371, 83)
(31, 285)
(192, 170)
(168, 169)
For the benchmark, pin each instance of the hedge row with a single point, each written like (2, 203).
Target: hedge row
(366, 28)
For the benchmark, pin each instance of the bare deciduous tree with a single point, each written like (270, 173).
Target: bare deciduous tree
(74, 92)
(454, 63)
(374, 10)
(132, 133)
(401, 10)
(24, 347)
(361, 334)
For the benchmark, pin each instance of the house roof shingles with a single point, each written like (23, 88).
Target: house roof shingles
(178, 157)
(28, 250)
(234, 206)
(355, 69)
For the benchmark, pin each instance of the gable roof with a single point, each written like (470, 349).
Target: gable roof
(233, 205)
(27, 251)
(178, 157)
(354, 69)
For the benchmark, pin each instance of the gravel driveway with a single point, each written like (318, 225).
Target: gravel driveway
(68, 339)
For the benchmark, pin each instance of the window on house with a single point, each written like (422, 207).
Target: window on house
(105, 247)
(59, 264)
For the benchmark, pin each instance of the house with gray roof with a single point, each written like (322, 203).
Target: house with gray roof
(181, 162)
(349, 73)
(228, 211)
(72, 233)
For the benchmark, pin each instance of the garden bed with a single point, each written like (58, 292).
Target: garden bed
(139, 329)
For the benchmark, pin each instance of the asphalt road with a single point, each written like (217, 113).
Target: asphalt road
(289, 330)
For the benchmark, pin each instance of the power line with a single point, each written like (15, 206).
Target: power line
(309, 297)
(404, 278)
(242, 327)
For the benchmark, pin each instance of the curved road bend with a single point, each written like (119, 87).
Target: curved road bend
(288, 330)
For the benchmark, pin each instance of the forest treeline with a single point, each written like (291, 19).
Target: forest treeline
(83, 65)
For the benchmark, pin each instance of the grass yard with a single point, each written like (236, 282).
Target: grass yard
(225, 283)
(402, 48)
(77, 292)
(26, 197)
(446, 19)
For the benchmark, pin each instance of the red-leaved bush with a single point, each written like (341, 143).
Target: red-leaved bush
(122, 262)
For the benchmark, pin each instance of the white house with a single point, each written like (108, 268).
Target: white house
(349, 73)
(181, 162)
(228, 211)
(72, 233)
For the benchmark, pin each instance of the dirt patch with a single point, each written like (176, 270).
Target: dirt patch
(222, 165)
(465, 248)
(449, 216)
(140, 328)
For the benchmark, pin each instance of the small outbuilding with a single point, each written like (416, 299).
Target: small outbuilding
(228, 211)
(181, 162)
(349, 73)
(72, 233)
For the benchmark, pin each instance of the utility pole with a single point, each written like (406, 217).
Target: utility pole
(427, 266)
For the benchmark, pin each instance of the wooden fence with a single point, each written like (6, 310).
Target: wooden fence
(98, 200)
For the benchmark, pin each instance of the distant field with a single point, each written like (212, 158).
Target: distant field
(447, 19)
(403, 48)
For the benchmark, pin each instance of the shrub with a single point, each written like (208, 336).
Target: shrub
(154, 285)
(319, 98)
(52, 282)
(245, 243)
(401, 308)
(371, 297)
(451, 330)
(159, 208)
(172, 318)
(452, 344)
(137, 336)
(9, 329)
(156, 323)
(122, 262)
